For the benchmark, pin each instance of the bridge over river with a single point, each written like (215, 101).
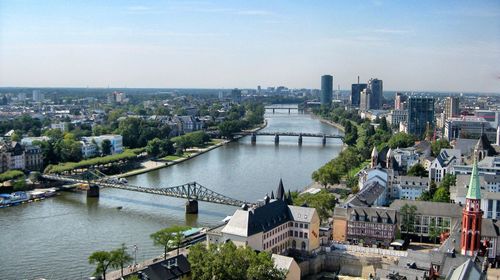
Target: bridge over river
(192, 191)
(300, 135)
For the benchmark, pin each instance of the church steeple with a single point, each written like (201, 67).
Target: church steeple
(280, 192)
(472, 216)
(374, 160)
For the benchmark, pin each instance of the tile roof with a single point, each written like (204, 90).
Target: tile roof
(430, 208)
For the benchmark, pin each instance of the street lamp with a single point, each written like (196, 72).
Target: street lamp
(135, 254)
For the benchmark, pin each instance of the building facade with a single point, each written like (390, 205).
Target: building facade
(367, 225)
(356, 90)
(420, 115)
(376, 89)
(274, 226)
(326, 90)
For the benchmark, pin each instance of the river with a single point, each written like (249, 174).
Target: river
(53, 238)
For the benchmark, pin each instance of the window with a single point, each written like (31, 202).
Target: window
(301, 226)
(296, 234)
(306, 226)
(296, 225)
(305, 234)
(301, 235)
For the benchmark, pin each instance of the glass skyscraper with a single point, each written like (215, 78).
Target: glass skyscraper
(326, 90)
(420, 115)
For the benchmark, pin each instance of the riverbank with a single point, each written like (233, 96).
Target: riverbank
(334, 124)
(152, 165)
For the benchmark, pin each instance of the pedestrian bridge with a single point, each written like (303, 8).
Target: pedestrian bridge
(192, 191)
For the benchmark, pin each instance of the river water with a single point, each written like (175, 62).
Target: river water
(53, 238)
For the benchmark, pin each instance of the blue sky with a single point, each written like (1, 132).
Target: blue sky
(411, 45)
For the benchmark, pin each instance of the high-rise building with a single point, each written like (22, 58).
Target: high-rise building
(356, 90)
(399, 101)
(37, 96)
(236, 95)
(451, 108)
(420, 114)
(326, 90)
(376, 90)
(364, 100)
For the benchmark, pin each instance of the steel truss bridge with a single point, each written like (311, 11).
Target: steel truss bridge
(191, 191)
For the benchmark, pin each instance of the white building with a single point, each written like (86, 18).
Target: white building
(395, 117)
(410, 187)
(444, 163)
(490, 193)
(29, 140)
(62, 126)
(274, 226)
(96, 141)
(402, 159)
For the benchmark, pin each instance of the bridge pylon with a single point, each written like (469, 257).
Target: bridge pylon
(254, 138)
(300, 140)
(324, 140)
(93, 190)
(276, 139)
(192, 206)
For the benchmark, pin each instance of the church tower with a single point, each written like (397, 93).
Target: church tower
(374, 161)
(472, 216)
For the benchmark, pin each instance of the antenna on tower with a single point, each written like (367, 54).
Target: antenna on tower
(358, 79)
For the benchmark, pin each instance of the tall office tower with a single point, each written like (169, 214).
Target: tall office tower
(364, 100)
(236, 95)
(356, 90)
(326, 90)
(451, 108)
(399, 101)
(420, 115)
(37, 95)
(376, 90)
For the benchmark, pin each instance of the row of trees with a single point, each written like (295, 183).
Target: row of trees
(103, 260)
(241, 117)
(227, 261)
(361, 136)
(193, 139)
(323, 201)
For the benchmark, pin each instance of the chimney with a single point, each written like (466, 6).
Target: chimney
(358, 79)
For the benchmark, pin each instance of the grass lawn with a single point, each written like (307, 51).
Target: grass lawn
(175, 157)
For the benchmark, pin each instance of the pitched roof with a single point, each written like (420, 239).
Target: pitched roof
(430, 208)
(172, 268)
(302, 214)
(263, 218)
(368, 195)
(474, 191)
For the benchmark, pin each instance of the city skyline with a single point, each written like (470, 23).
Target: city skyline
(445, 46)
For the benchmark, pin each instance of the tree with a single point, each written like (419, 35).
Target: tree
(401, 140)
(120, 257)
(178, 235)
(323, 202)
(417, 170)
(441, 195)
(106, 147)
(169, 238)
(434, 230)
(103, 260)
(226, 261)
(383, 124)
(153, 148)
(407, 214)
(437, 145)
(163, 238)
